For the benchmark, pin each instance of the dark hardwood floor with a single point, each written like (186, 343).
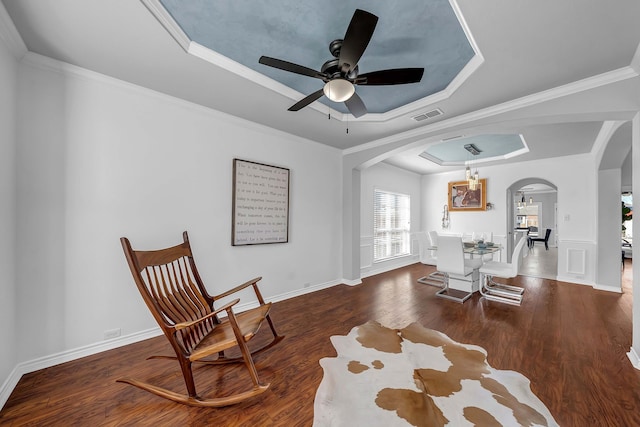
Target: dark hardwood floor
(569, 340)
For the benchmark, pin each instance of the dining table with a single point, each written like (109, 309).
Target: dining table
(480, 249)
(472, 249)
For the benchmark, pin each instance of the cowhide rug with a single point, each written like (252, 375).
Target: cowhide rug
(419, 377)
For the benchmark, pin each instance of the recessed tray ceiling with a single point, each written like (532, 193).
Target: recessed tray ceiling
(491, 147)
(411, 33)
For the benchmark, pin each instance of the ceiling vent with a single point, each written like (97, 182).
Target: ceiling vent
(428, 115)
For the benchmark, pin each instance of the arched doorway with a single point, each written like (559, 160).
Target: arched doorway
(528, 189)
(614, 177)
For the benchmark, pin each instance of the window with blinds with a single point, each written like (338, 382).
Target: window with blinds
(391, 225)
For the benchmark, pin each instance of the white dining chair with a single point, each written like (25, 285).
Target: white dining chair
(429, 256)
(455, 267)
(427, 253)
(433, 238)
(499, 291)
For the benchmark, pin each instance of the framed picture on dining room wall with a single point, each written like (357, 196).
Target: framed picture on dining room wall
(462, 198)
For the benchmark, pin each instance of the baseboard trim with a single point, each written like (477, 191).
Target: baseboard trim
(69, 355)
(7, 387)
(614, 289)
(373, 272)
(633, 357)
(595, 286)
(296, 293)
(66, 356)
(574, 280)
(351, 282)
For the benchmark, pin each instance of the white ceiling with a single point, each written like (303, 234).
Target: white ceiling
(552, 72)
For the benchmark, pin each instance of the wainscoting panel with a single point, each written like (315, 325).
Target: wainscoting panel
(369, 268)
(366, 252)
(576, 261)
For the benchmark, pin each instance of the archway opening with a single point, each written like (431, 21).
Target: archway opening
(532, 207)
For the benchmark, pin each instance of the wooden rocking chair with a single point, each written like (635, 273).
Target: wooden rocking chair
(172, 289)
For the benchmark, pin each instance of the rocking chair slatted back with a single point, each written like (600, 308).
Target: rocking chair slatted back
(167, 278)
(172, 289)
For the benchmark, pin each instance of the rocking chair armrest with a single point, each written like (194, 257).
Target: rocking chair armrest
(253, 282)
(226, 307)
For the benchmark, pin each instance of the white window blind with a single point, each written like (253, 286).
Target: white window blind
(391, 225)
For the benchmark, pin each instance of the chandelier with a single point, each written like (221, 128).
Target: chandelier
(522, 202)
(473, 179)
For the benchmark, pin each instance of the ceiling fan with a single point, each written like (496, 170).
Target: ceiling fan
(340, 74)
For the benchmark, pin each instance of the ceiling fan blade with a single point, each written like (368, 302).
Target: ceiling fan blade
(291, 67)
(356, 39)
(356, 106)
(396, 76)
(306, 101)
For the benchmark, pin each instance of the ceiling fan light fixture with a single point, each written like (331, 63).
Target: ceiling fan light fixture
(339, 90)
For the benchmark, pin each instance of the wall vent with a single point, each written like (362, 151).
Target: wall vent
(428, 115)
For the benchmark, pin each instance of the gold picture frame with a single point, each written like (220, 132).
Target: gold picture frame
(462, 199)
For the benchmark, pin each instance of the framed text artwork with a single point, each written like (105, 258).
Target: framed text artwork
(260, 204)
(462, 198)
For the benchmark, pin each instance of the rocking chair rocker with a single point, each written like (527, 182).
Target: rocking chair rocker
(175, 294)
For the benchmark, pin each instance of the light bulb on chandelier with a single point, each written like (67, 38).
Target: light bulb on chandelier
(472, 179)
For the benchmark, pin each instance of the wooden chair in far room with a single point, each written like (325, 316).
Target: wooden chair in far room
(428, 243)
(175, 294)
(453, 264)
(498, 291)
(545, 239)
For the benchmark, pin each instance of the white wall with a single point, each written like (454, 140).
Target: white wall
(609, 230)
(99, 159)
(634, 353)
(8, 84)
(576, 207)
(435, 191)
(389, 178)
(627, 173)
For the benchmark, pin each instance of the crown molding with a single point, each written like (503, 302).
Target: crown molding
(167, 21)
(588, 83)
(204, 53)
(635, 61)
(414, 107)
(228, 64)
(46, 63)
(10, 35)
